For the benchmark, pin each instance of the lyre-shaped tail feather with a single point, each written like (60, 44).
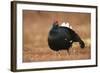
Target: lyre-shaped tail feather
(82, 44)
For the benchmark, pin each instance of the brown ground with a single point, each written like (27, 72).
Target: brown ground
(36, 25)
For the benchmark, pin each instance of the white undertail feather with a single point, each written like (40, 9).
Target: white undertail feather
(63, 24)
(66, 25)
(70, 27)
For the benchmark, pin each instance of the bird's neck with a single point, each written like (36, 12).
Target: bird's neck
(54, 31)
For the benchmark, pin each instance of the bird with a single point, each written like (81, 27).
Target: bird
(62, 37)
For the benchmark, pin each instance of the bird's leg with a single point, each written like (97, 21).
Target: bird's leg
(65, 52)
(58, 53)
(68, 52)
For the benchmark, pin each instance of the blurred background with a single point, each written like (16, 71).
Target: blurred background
(36, 25)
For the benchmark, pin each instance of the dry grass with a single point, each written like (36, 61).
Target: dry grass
(36, 28)
(45, 54)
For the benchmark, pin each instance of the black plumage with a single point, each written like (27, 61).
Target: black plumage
(62, 38)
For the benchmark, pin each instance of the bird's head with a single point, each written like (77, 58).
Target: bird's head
(55, 24)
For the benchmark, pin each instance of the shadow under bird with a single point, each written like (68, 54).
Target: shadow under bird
(62, 38)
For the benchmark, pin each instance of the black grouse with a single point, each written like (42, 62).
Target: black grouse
(62, 38)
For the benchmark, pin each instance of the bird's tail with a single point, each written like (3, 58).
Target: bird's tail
(82, 44)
